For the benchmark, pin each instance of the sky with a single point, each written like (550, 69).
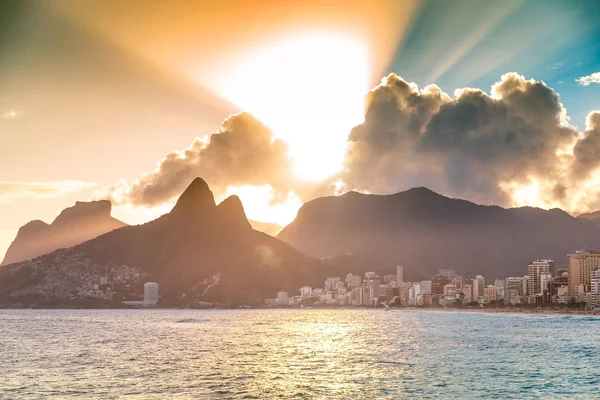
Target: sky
(282, 102)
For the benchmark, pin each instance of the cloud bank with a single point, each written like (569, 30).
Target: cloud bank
(512, 146)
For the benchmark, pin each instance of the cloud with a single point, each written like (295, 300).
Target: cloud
(11, 191)
(479, 146)
(242, 152)
(9, 114)
(589, 79)
(510, 146)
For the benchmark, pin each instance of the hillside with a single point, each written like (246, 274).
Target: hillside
(200, 251)
(425, 231)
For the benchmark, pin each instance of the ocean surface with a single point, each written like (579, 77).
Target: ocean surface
(313, 354)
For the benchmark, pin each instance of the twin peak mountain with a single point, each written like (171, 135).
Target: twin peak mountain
(199, 240)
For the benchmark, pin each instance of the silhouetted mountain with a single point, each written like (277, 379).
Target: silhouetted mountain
(425, 231)
(593, 216)
(74, 225)
(201, 251)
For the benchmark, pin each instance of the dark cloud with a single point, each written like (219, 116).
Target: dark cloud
(587, 149)
(476, 145)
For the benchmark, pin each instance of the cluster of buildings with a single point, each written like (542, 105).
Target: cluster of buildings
(71, 276)
(579, 282)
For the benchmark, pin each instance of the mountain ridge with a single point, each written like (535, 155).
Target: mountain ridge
(426, 231)
(194, 246)
(74, 225)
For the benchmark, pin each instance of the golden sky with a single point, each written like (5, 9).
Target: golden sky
(129, 100)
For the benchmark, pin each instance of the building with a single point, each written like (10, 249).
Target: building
(558, 288)
(534, 271)
(579, 268)
(356, 296)
(593, 297)
(305, 291)
(480, 285)
(450, 290)
(425, 286)
(476, 291)
(331, 284)
(150, 293)
(489, 294)
(400, 276)
(514, 283)
(283, 299)
(595, 281)
(525, 286)
(545, 280)
(353, 281)
(371, 276)
(500, 285)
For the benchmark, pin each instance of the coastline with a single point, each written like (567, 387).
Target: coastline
(529, 311)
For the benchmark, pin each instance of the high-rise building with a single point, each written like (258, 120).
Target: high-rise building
(489, 294)
(400, 275)
(475, 289)
(579, 267)
(353, 281)
(595, 281)
(525, 286)
(594, 297)
(480, 285)
(150, 293)
(500, 285)
(534, 271)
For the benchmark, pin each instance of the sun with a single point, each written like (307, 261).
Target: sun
(310, 90)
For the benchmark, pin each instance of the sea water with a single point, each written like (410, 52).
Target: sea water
(312, 354)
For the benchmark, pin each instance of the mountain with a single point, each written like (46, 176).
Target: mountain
(200, 251)
(266, 227)
(74, 225)
(593, 216)
(425, 231)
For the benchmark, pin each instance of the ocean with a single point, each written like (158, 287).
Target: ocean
(311, 354)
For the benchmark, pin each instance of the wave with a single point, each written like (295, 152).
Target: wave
(192, 320)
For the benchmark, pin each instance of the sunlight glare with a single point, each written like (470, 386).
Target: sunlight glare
(259, 204)
(310, 90)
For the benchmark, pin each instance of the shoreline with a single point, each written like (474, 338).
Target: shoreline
(529, 311)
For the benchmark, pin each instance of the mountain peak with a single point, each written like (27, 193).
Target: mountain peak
(32, 227)
(84, 209)
(196, 199)
(232, 212)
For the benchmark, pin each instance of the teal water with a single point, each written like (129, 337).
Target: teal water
(313, 354)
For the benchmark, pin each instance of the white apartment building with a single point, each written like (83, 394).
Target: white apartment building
(534, 271)
(150, 293)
